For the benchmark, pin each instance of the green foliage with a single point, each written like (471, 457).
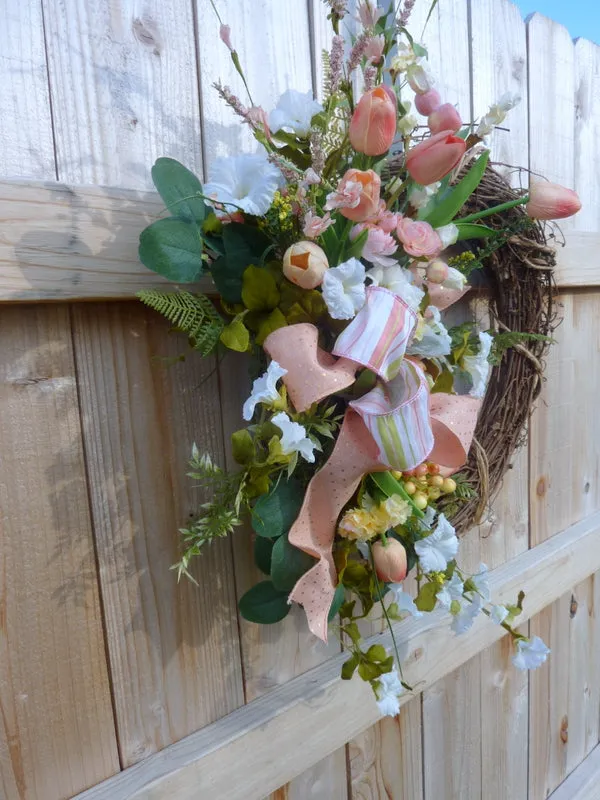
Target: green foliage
(468, 230)
(504, 341)
(446, 206)
(288, 564)
(386, 483)
(172, 247)
(274, 513)
(264, 604)
(236, 335)
(259, 289)
(337, 602)
(242, 446)
(263, 551)
(426, 599)
(192, 314)
(244, 245)
(180, 189)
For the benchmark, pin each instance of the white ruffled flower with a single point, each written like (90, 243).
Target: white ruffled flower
(498, 614)
(264, 389)
(451, 590)
(421, 195)
(435, 340)
(448, 234)
(246, 181)
(437, 549)
(428, 518)
(481, 582)
(497, 113)
(344, 289)
(469, 609)
(531, 653)
(294, 438)
(388, 693)
(294, 112)
(455, 280)
(404, 600)
(407, 124)
(404, 58)
(399, 281)
(478, 366)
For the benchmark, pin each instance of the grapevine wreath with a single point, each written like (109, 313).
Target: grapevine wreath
(374, 430)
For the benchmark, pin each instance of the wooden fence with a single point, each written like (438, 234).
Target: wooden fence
(112, 675)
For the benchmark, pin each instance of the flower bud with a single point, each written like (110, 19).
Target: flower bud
(427, 103)
(435, 157)
(437, 271)
(444, 118)
(551, 201)
(305, 264)
(390, 561)
(225, 36)
(419, 78)
(373, 124)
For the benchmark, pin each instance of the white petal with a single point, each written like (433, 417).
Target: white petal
(294, 438)
(478, 366)
(466, 616)
(498, 614)
(344, 289)
(264, 389)
(437, 549)
(531, 654)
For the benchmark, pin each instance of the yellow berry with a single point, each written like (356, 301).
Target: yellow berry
(420, 500)
(421, 470)
(437, 481)
(433, 493)
(410, 487)
(448, 486)
(396, 474)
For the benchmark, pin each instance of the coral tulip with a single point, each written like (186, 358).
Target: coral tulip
(305, 264)
(427, 103)
(373, 124)
(551, 201)
(368, 204)
(434, 158)
(390, 561)
(444, 118)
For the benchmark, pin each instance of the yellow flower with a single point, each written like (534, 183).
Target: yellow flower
(358, 524)
(364, 523)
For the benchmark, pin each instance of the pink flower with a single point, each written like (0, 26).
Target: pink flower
(311, 178)
(368, 13)
(427, 103)
(314, 225)
(373, 124)
(444, 118)
(435, 157)
(384, 219)
(225, 34)
(551, 201)
(378, 247)
(357, 195)
(258, 118)
(418, 238)
(347, 195)
(374, 49)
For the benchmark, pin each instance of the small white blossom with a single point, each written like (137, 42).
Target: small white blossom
(428, 518)
(482, 583)
(294, 112)
(455, 280)
(497, 113)
(531, 653)
(469, 609)
(421, 195)
(264, 389)
(437, 549)
(388, 693)
(404, 58)
(451, 590)
(404, 600)
(448, 234)
(478, 366)
(294, 438)
(399, 281)
(435, 340)
(498, 614)
(419, 77)
(246, 181)
(407, 124)
(344, 289)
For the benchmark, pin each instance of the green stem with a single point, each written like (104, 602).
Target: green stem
(487, 212)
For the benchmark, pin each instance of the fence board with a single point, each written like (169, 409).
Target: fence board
(129, 79)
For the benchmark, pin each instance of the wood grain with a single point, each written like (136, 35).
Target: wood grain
(582, 783)
(233, 758)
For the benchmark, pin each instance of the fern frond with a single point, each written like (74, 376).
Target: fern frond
(326, 64)
(193, 314)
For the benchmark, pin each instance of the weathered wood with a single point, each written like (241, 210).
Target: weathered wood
(583, 783)
(233, 758)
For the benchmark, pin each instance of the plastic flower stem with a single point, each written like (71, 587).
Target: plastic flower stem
(495, 210)
(397, 193)
(385, 614)
(216, 11)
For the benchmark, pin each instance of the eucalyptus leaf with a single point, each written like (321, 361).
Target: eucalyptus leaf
(274, 513)
(450, 203)
(263, 549)
(288, 564)
(180, 190)
(172, 247)
(337, 602)
(243, 245)
(264, 604)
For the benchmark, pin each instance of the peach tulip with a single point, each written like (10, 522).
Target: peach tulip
(551, 201)
(305, 264)
(434, 158)
(444, 118)
(373, 124)
(390, 561)
(368, 204)
(427, 103)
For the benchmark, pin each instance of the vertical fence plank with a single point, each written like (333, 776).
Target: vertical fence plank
(275, 55)
(57, 731)
(128, 76)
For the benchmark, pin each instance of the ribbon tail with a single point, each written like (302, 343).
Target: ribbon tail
(354, 455)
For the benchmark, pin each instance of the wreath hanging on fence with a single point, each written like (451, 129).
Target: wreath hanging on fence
(375, 433)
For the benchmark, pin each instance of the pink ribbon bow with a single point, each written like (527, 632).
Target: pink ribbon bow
(397, 425)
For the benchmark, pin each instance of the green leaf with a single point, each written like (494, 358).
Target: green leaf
(242, 446)
(356, 247)
(390, 486)
(243, 245)
(468, 230)
(337, 602)
(236, 335)
(259, 290)
(369, 671)
(419, 50)
(444, 382)
(173, 248)
(288, 564)
(376, 653)
(275, 513)
(452, 201)
(349, 667)
(264, 604)
(271, 323)
(426, 599)
(179, 188)
(263, 548)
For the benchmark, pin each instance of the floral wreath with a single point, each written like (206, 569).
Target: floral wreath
(333, 271)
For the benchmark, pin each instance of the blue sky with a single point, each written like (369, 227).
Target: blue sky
(580, 17)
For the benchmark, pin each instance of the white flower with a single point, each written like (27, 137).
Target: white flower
(498, 614)
(421, 195)
(344, 289)
(404, 600)
(531, 653)
(247, 181)
(465, 618)
(419, 77)
(509, 100)
(478, 366)
(448, 234)
(428, 518)
(437, 549)
(497, 113)
(482, 583)
(404, 58)
(388, 693)
(407, 124)
(455, 280)
(399, 281)
(435, 339)
(264, 389)
(294, 438)
(294, 112)
(451, 590)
